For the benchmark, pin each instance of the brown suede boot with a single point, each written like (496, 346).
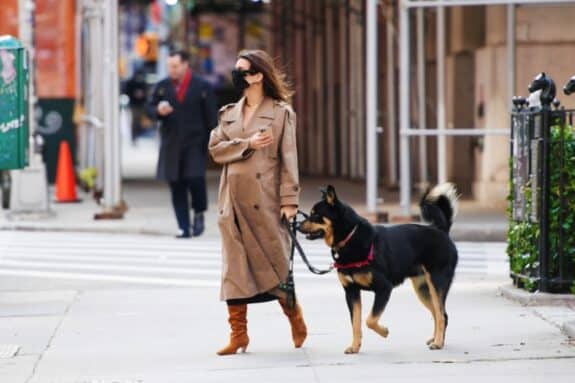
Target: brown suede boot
(239, 339)
(298, 327)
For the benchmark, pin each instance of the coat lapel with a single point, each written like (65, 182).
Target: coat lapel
(171, 92)
(233, 120)
(263, 116)
(166, 91)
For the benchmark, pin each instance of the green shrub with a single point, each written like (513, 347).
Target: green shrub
(523, 237)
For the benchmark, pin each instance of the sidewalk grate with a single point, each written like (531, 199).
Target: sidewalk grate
(8, 351)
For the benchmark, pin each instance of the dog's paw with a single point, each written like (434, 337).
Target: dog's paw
(430, 341)
(384, 332)
(352, 350)
(435, 346)
(381, 330)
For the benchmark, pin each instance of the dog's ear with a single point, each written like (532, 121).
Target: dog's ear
(329, 194)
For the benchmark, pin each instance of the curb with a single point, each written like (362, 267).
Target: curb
(23, 227)
(84, 229)
(457, 235)
(535, 299)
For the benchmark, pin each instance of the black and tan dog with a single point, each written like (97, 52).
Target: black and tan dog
(379, 258)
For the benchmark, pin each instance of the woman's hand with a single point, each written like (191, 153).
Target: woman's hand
(288, 211)
(260, 140)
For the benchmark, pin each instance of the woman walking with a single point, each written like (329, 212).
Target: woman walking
(255, 141)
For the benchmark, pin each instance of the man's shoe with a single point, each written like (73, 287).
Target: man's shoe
(184, 234)
(198, 224)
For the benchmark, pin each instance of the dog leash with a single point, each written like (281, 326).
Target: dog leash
(292, 230)
(289, 286)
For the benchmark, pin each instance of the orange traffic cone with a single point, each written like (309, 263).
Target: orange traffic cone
(65, 178)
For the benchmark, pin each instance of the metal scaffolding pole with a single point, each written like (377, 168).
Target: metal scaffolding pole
(421, 105)
(404, 65)
(115, 104)
(93, 137)
(511, 54)
(391, 99)
(371, 106)
(441, 142)
(112, 177)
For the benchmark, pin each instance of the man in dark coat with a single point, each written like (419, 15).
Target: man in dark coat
(185, 106)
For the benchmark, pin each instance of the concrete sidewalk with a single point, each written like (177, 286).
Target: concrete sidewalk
(557, 309)
(171, 335)
(150, 211)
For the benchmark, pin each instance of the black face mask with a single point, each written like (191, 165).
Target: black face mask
(238, 79)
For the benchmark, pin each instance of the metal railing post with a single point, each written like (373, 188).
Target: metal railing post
(371, 106)
(110, 92)
(545, 184)
(391, 98)
(404, 65)
(441, 120)
(421, 104)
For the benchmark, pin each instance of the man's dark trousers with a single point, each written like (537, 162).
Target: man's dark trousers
(181, 190)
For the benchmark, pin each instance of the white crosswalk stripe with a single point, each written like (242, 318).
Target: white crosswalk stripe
(150, 260)
(482, 258)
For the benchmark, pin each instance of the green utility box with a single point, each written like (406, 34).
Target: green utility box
(13, 104)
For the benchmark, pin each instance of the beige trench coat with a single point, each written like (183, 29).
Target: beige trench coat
(253, 187)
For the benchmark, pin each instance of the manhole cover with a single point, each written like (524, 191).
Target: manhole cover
(8, 351)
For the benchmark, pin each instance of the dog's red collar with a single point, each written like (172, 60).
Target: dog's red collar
(359, 264)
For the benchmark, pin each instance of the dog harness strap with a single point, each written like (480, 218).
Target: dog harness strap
(359, 264)
(346, 240)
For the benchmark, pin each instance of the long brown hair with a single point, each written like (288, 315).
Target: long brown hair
(275, 83)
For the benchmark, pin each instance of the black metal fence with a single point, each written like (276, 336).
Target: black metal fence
(542, 199)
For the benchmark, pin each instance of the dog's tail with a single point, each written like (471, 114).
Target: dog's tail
(439, 206)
